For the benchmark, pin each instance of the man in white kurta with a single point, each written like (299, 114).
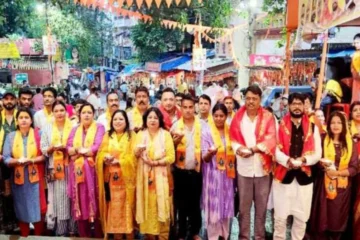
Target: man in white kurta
(112, 101)
(299, 147)
(45, 116)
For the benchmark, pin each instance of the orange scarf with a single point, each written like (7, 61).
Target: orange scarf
(181, 148)
(78, 143)
(225, 157)
(284, 142)
(32, 152)
(60, 159)
(265, 133)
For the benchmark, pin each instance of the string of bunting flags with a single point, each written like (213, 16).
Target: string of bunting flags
(115, 6)
(110, 4)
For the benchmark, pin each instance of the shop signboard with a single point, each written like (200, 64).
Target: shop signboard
(153, 67)
(8, 50)
(49, 45)
(266, 60)
(199, 59)
(21, 77)
(222, 49)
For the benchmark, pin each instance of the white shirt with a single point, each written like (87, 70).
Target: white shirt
(152, 90)
(103, 120)
(40, 119)
(93, 100)
(252, 166)
(190, 161)
(84, 94)
(229, 120)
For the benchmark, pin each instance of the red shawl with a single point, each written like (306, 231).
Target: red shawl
(265, 133)
(284, 142)
(167, 120)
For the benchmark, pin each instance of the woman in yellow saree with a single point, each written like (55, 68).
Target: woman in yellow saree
(155, 152)
(116, 172)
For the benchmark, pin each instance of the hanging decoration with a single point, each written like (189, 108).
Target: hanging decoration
(115, 6)
(109, 4)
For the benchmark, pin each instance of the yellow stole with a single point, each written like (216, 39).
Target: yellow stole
(329, 153)
(48, 115)
(210, 119)
(18, 152)
(60, 159)
(119, 148)
(108, 118)
(78, 143)
(3, 117)
(225, 157)
(152, 179)
(137, 117)
(181, 148)
(353, 128)
(2, 138)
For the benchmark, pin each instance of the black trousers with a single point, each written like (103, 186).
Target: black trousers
(187, 196)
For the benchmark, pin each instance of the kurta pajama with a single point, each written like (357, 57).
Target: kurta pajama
(293, 193)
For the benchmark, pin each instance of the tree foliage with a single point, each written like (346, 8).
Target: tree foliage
(14, 16)
(74, 26)
(274, 6)
(153, 39)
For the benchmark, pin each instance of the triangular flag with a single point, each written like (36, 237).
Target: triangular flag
(200, 1)
(129, 2)
(177, 2)
(139, 3)
(168, 2)
(148, 3)
(188, 2)
(158, 2)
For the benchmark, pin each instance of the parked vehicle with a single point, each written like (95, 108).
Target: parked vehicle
(269, 93)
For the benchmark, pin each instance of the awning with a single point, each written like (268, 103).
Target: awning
(130, 69)
(210, 63)
(169, 61)
(173, 63)
(344, 53)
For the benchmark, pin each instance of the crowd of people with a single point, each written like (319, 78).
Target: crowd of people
(161, 172)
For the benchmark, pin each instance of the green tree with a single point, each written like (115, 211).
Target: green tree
(151, 39)
(86, 29)
(14, 16)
